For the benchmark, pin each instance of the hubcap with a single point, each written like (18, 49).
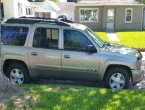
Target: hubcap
(16, 76)
(117, 81)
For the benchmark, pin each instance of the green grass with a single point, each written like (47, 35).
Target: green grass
(102, 35)
(135, 39)
(66, 97)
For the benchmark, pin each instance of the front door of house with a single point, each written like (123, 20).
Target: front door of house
(110, 19)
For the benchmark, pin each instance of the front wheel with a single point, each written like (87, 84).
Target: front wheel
(17, 73)
(117, 78)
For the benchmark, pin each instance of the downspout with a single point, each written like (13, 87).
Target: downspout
(142, 21)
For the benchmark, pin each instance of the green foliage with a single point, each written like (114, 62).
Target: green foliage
(142, 1)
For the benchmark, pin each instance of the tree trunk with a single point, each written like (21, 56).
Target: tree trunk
(6, 85)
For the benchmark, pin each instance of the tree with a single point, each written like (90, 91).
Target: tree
(5, 84)
(142, 1)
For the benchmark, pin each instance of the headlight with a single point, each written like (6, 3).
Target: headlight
(138, 64)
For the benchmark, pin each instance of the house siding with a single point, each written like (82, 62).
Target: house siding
(136, 23)
(144, 19)
(120, 24)
(8, 8)
(11, 8)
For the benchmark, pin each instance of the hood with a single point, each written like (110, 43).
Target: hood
(121, 49)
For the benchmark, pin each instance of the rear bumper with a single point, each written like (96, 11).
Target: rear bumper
(137, 76)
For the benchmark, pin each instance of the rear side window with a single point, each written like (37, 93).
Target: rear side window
(46, 38)
(14, 35)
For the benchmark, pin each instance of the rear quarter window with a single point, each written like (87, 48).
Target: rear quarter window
(14, 35)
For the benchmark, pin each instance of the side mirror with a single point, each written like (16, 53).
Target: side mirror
(91, 49)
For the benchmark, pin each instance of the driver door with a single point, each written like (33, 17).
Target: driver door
(77, 64)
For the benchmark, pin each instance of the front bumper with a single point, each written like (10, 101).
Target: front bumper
(137, 76)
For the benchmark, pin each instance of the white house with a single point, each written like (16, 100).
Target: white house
(46, 9)
(67, 8)
(13, 8)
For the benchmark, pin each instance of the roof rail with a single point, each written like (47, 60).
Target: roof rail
(33, 20)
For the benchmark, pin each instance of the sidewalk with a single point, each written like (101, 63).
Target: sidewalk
(112, 36)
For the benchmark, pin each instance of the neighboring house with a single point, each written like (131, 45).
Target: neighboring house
(96, 14)
(67, 8)
(13, 8)
(49, 9)
(110, 14)
(30, 9)
(46, 9)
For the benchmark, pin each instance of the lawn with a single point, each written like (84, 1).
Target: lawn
(135, 39)
(70, 97)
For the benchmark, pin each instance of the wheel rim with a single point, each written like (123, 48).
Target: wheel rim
(117, 81)
(16, 76)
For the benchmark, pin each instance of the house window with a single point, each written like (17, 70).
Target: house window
(2, 10)
(89, 15)
(128, 15)
(28, 11)
(20, 12)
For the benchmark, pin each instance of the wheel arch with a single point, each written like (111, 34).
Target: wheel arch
(11, 61)
(114, 66)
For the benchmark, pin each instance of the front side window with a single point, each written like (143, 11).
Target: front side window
(14, 35)
(46, 38)
(89, 15)
(75, 41)
(128, 15)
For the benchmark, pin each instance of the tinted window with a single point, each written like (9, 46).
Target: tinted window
(46, 38)
(75, 41)
(13, 35)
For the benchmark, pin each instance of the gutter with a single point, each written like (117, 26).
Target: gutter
(111, 4)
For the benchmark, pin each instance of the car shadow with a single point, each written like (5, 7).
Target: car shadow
(69, 82)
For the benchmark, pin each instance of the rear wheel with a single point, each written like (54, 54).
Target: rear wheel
(117, 78)
(17, 73)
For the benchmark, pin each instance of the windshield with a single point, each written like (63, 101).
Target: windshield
(95, 37)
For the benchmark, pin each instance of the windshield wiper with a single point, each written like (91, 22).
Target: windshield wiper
(106, 44)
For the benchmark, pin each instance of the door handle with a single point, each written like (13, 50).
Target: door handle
(34, 53)
(67, 56)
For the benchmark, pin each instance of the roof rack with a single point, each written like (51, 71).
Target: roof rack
(33, 20)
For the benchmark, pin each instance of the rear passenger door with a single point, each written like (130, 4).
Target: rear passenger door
(45, 55)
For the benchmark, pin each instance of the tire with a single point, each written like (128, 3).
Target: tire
(117, 78)
(22, 77)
